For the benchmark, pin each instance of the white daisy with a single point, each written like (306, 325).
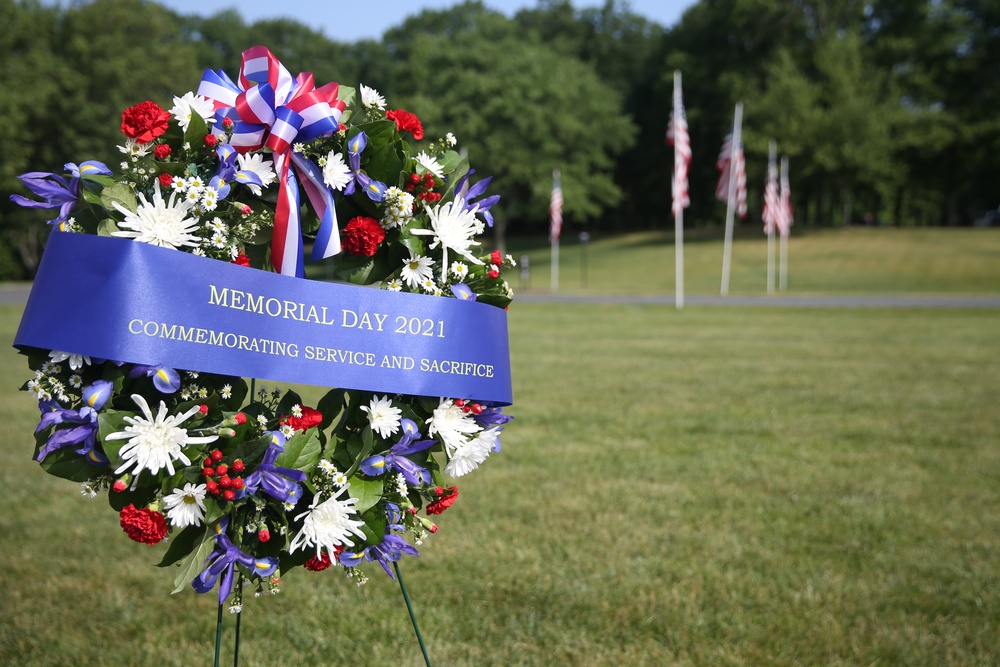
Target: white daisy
(185, 106)
(416, 269)
(401, 486)
(164, 224)
(453, 227)
(394, 285)
(297, 410)
(430, 163)
(452, 425)
(371, 99)
(76, 361)
(467, 456)
(326, 466)
(328, 524)
(336, 173)
(186, 507)
(87, 490)
(227, 392)
(384, 418)
(450, 138)
(428, 285)
(398, 208)
(135, 149)
(256, 163)
(287, 430)
(459, 270)
(179, 184)
(155, 443)
(262, 420)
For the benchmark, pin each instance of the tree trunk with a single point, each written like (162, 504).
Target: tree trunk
(500, 232)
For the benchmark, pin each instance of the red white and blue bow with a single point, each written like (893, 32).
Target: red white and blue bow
(271, 109)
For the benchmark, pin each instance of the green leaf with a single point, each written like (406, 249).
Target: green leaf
(346, 95)
(196, 130)
(375, 523)
(367, 491)
(107, 227)
(121, 194)
(332, 406)
(367, 440)
(302, 452)
(66, 463)
(108, 422)
(192, 565)
(182, 544)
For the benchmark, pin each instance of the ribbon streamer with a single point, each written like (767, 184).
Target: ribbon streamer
(271, 109)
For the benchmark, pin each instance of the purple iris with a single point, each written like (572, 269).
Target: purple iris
(277, 482)
(492, 417)
(229, 171)
(396, 458)
(374, 189)
(463, 292)
(390, 550)
(166, 380)
(223, 561)
(476, 191)
(84, 429)
(55, 191)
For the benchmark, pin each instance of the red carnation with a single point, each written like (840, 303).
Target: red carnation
(362, 236)
(310, 417)
(318, 564)
(211, 140)
(495, 258)
(446, 499)
(161, 151)
(407, 121)
(145, 121)
(241, 260)
(143, 525)
(166, 180)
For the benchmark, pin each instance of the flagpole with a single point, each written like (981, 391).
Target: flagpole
(785, 231)
(773, 152)
(555, 233)
(727, 249)
(678, 220)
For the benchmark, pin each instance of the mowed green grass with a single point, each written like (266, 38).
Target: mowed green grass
(717, 486)
(854, 260)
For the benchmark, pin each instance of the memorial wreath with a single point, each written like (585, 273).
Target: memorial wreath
(142, 355)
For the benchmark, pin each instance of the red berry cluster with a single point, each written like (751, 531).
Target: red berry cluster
(424, 187)
(467, 407)
(219, 481)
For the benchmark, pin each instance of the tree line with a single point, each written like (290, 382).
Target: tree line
(889, 110)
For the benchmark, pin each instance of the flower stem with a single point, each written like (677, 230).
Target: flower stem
(413, 619)
(218, 636)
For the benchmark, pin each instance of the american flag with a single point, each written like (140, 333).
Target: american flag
(677, 135)
(785, 201)
(772, 203)
(555, 208)
(723, 164)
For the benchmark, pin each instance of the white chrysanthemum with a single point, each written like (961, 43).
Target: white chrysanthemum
(256, 163)
(453, 227)
(185, 106)
(186, 507)
(76, 361)
(452, 425)
(155, 443)
(370, 98)
(471, 453)
(382, 416)
(164, 224)
(328, 524)
(416, 269)
(336, 173)
(430, 163)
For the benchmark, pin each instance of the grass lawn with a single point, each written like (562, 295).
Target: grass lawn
(753, 486)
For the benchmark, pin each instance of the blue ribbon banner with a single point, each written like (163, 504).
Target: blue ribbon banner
(118, 299)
